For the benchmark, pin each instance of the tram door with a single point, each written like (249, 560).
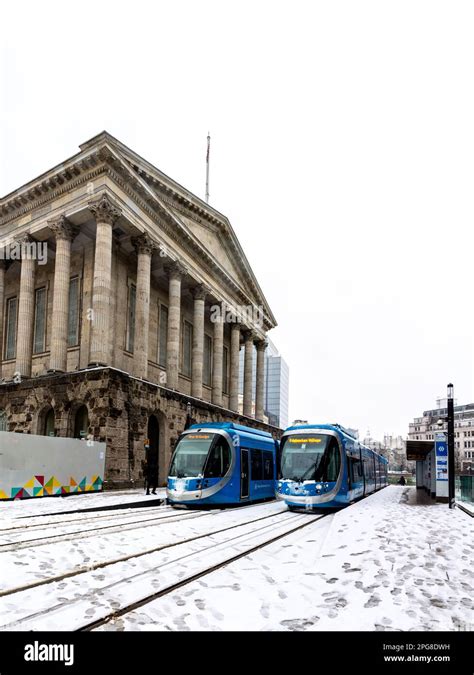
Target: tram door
(244, 473)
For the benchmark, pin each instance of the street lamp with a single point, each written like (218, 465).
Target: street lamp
(451, 490)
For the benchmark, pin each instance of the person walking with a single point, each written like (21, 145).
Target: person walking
(149, 472)
(402, 480)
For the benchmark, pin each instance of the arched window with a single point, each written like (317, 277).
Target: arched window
(3, 420)
(81, 422)
(48, 425)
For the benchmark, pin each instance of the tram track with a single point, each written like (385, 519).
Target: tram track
(103, 564)
(110, 598)
(194, 577)
(98, 531)
(89, 518)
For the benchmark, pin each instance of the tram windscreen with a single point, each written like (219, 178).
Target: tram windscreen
(199, 455)
(310, 457)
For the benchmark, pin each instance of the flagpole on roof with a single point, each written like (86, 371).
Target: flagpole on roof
(207, 166)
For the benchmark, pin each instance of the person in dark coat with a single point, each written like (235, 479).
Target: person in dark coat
(402, 480)
(149, 471)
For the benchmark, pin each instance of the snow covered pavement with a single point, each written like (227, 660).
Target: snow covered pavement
(95, 500)
(378, 565)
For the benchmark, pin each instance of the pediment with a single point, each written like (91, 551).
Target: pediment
(214, 242)
(209, 228)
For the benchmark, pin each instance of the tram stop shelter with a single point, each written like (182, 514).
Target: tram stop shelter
(431, 466)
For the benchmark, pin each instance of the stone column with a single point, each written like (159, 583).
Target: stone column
(64, 232)
(248, 373)
(234, 366)
(144, 247)
(198, 340)
(105, 214)
(26, 309)
(217, 357)
(2, 305)
(175, 272)
(259, 394)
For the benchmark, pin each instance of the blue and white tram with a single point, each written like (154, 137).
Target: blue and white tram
(325, 466)
(222, 464)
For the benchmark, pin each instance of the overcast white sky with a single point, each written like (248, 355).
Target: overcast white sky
(342, 152)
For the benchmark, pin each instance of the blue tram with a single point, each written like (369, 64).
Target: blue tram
(222, 464)
(325, 466)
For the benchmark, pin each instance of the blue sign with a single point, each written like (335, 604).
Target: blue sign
(441, 451)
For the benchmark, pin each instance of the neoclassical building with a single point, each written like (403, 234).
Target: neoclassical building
(125, 301)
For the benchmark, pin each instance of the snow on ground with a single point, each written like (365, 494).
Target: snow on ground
(69, 603)
(22, 567)
(94, 500)
(381, 564)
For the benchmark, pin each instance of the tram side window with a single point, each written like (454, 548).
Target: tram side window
(357, 474)
(334, 461)
(257, 465)
(371, 469)
(368, 469)
(267, 465)
(218, 461)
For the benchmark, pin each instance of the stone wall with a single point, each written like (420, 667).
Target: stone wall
(119, 409)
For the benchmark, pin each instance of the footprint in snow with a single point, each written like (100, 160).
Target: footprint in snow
(373, 601)
(265, 610)
(217, 615)
(299, 624)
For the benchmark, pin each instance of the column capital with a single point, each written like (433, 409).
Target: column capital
(235, 325)
(261, 345)
(105, 210)
(176, 269)
(144, 244)
(62, 228)
(200, 291)
(27, 245)
(248, 335)
(25, 238)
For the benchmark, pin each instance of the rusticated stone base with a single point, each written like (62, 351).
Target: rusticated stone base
(119, 409)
